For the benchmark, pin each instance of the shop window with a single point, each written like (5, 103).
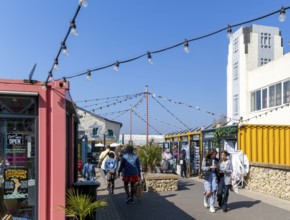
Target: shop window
(18, 151)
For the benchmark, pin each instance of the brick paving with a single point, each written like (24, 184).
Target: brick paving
(184, 204)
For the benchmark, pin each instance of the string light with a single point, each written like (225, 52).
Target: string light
(64, 49)
(73, 28)
(83, 3)
(229, 31)
(89, 75)
(50, 76)
(44, 86)
(186, 46)
(149, 58)
(282, 15)
(116, 66)
(55, 65)
(64, 81)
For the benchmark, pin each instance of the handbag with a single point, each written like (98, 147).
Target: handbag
(164, 165)
(111, 175)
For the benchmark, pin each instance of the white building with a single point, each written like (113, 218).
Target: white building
(258, 76)
(97, 128)
(140, 139)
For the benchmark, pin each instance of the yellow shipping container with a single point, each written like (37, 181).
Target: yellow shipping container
(265, 143)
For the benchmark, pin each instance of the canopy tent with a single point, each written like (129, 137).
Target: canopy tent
(115, 145)
(99, 145)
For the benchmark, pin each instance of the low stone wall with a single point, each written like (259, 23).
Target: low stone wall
(271, 181)
(160, 182)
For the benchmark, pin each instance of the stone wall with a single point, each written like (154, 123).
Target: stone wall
(161, 182)
(271, 181)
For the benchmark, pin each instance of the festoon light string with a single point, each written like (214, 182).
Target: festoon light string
(63, 46)
(185, 43)
(145, 122)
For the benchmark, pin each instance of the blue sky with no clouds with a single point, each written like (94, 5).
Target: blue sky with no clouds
(31, 32)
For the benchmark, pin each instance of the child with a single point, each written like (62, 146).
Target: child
(110, 168)
(89, 171)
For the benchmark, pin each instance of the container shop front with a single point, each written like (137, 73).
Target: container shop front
(37, 154)
(190, 142)
(221, 138)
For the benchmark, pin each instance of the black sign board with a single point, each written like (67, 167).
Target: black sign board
(14, 138)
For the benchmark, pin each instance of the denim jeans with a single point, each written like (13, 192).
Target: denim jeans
(223, 193)
(210, 184)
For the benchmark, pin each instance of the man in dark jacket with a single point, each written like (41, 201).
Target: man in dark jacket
(130, 166)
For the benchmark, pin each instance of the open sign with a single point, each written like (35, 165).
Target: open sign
(14, 138)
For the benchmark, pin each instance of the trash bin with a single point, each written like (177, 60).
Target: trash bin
(88, 188)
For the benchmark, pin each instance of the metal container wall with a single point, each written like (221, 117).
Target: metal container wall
(265, 143)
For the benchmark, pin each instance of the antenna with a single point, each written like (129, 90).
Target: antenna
(30, 75)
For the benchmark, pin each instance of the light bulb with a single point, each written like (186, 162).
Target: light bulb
(50, 77)
(74, 28)
(64, 49)
(84, 3)
(186, 46)
(55, 66)
(89, 75)
(44, 87)
(229, 31)
(282, 16)
(64, 81)
(116, 66)
(150, 61)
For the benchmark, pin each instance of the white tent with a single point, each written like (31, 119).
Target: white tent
(99, 145)
(115, 145)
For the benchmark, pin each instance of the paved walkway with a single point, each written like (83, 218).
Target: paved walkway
(187, 203)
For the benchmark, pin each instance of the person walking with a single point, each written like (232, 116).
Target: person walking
(182, 162)
(111, 167)
(210, 166)
(130, 166)
(89, 171)
(224, 180)
(168, 163)
(103, 157)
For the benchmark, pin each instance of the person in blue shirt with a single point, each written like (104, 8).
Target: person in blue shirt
(110, 168)
(130, 166)
(89, 171)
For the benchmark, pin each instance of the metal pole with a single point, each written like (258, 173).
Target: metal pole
(105, 140)
(131, 125)
(146, 96)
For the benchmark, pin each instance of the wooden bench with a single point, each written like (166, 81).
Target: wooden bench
(160, 182)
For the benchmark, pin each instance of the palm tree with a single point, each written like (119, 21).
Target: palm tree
(79, 206)
(150, 155)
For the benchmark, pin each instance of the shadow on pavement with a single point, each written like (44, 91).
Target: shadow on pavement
(150, 206)
(185, 185)
(242, 204)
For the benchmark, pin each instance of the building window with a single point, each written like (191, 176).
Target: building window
(264, 61)
(256, 100)
(264, 98)
(275, 95)
(236, 104)
(236, 70)
(265, 40)
(236, 45)
(286, 92)
(95, 131)
(278, 94)
(110, 133)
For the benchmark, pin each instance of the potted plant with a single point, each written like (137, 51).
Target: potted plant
(150, 155)
(79, 206)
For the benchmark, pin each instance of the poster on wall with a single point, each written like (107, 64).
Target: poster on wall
(15, 183)
(16, 151)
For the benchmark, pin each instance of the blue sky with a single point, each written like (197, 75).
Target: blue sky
(31, 32)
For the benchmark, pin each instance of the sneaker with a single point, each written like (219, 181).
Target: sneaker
(128, 199)
(212, 209)
(132, 201)
(205, 202)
